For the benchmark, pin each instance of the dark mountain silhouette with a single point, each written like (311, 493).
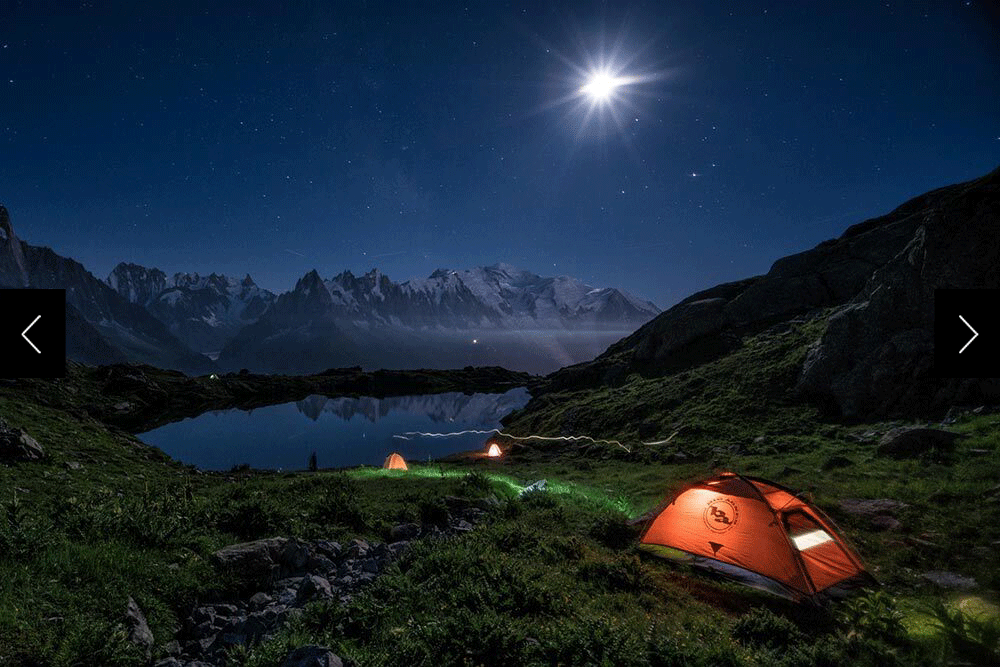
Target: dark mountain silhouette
(101, 326)
(875, 355)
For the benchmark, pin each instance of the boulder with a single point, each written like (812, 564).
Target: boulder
(257, 560)
(533, 487)
(404, 532)
(950, 580)
(17, 445)
(314, 587)
(312, 656)
(871, 507)
(913, 442)
(137, 628)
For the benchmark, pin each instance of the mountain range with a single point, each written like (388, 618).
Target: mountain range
(200, 323)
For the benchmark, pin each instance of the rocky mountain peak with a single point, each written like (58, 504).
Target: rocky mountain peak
(5, 229)
(13, 269)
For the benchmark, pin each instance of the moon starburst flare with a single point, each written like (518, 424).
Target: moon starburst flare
(601, 86)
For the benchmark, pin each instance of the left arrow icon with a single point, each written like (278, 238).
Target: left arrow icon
(24, 334)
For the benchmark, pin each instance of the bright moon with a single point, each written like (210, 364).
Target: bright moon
(600, 86)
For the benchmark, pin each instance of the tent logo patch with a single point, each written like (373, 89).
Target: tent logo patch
(721, 515)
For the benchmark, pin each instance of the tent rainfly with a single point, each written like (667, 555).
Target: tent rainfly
(394, 462)
(757, 532)
(494, 451)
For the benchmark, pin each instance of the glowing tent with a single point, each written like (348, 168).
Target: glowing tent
(757, 532)
(494, 451)
(394, 462)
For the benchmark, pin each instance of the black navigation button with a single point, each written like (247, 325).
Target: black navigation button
(33, 333)
(966, 333)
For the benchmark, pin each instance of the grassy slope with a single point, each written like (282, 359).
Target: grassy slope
(547, 580)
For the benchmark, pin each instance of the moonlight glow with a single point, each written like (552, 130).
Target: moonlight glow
(601, 86)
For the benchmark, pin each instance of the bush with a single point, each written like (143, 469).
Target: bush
(762, 627)
(155, 520)
(251, 515)
(476, 483)
(624, 573)
(338, 504)
(612, 531)
(874, 616)
(21, 536)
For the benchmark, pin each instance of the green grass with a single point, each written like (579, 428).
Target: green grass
(550, 578)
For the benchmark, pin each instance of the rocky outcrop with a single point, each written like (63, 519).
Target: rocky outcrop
(876, 355)
(285, 575)
(13, 268)
(17, 445)
(139, 634)
(203, 311)
(878, 279)
(312, 656)
(101, 326)
(909, 443)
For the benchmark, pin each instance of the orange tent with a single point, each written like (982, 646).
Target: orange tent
(758, 532)
(394, 462)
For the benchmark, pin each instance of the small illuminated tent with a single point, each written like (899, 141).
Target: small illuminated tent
(394, 462)
(493, 450)
(756, 532)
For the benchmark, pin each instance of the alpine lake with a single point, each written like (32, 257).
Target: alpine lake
(342, 432)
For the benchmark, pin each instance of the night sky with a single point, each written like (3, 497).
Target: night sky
(410, 136)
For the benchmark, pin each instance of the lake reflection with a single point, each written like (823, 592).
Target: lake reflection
(342, 431)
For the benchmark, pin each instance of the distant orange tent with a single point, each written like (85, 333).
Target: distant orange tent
(494, 451)
(757, 532)
(394, 462)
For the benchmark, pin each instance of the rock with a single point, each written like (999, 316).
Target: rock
(886, 523)
(835, 462)
(169, 662)
(17, 445)
(462, 526)
(329, 549)
(396, 549)
(534, 486)
(404, 532)
(912, 442)
(950, 580)
(138, 630)
(312, 656)
(295, 555)
(876, 356)
(314, 587)
(260, 600)
(74, 465)
(871, 507)
(257, 560)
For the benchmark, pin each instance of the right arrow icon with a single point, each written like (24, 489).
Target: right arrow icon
(975, 334)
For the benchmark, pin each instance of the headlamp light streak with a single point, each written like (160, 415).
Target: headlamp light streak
(409, 435)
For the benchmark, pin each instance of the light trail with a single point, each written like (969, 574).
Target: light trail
(548, 438)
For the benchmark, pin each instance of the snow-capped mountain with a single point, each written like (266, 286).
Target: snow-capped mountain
(203, 311)
(498, 296)
(374, 321)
